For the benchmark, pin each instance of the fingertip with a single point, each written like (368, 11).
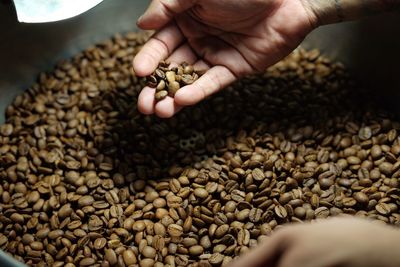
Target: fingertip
(167, 108)
(139, 22)
(146, 101)
(142, 65)
(146, 24)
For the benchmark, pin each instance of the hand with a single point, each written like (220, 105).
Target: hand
(227, 38)
(345, 242)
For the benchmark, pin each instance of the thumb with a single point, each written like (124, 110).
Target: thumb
(160, 12)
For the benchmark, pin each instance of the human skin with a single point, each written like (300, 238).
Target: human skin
(339, 242)
(231, 38)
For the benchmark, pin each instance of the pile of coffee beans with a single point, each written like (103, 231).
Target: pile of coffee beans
(168, 81)
(88, 181)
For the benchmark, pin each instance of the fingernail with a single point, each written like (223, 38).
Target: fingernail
(140, 19)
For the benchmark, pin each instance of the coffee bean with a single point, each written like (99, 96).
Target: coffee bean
(365, 133)
(110, 256)
(200, 192)
(187, 79)
(216, 259)
(383, 208)
(361, 197)
(160, 95)
(188, 69)
(139, 226)
(87, 262)
(280, 212)
(321, 212)
(170, 76)
(173, 87)
(99, 243)
(129, 257)
(349, 202)
(300, 212)
(174, 230)
(55, 234)
(36, 245)
(6, 129)
(151, 81)
(255, 215)
(196, 250)
(159, 73)
(149, 252)
(146, 263)
(386, 168)
(65, 211)
(17, 218)
(258, 174)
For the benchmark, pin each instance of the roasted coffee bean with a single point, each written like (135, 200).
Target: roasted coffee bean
(160, 95)
(129, 257)
(383, 208)
(200, 192)
(281, 212)
(361, 197)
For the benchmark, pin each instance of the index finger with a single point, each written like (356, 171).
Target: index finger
(157, 48)
(215, 79)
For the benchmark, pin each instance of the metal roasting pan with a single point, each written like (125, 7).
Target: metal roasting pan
(369, 48)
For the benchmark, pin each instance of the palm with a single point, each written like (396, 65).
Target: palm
(228, 38)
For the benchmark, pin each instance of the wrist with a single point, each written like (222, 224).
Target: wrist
(331, 11)
(312, 13)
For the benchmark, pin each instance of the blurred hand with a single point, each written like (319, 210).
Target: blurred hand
(228, 38)
(344, 242)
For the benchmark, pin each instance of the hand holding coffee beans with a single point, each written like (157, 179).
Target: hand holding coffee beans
(168, 81)
(229, 39)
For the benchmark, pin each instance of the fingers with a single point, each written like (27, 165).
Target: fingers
(218, 52)
(147, 104)
(146, 101)
(158, 48)
(211, 82)
(167, 108)
(183, 54)
(160, 12)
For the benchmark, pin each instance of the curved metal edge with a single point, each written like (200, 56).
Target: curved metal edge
(41, 11)
(8, 261)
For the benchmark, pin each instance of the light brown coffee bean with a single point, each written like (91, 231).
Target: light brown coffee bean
(129, 257)
(200, 192)
(280, 211)
(146, 263)
(175, 230)
(160, 95)
(87, 262)
(149, 252)
(110, 256)
(100, 243)
(361, 197)
(196, 250)
(383, 208)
